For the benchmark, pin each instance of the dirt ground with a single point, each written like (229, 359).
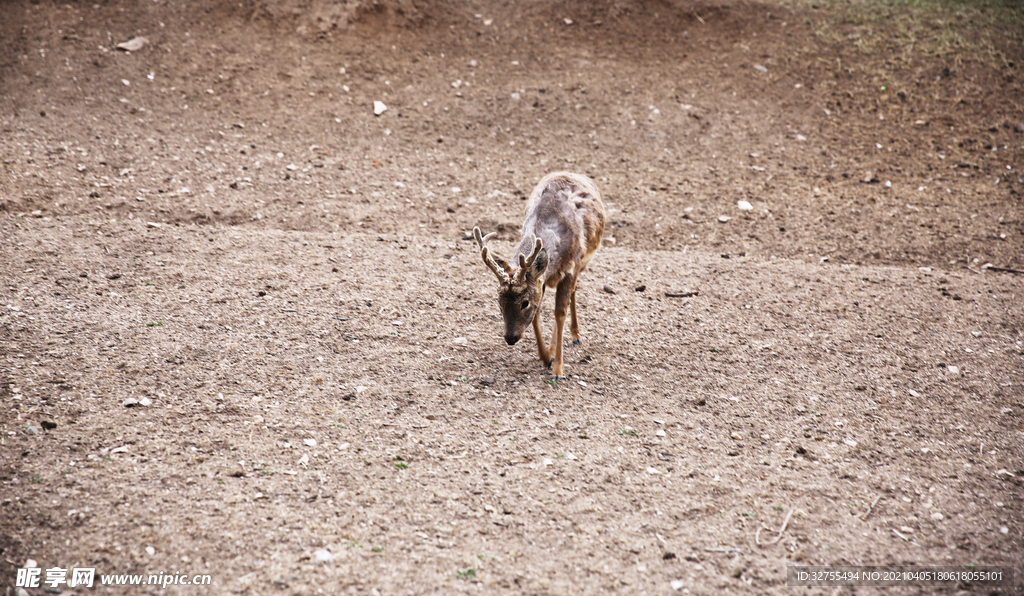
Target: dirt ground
(244, 332)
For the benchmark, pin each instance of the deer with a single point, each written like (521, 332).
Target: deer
(564, 226)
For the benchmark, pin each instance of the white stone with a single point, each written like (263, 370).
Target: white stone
(133, 45)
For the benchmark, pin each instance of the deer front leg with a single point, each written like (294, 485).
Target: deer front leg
(542, 350)
(574, 326)
(562, 299)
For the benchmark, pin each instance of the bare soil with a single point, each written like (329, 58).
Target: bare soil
(241, 321)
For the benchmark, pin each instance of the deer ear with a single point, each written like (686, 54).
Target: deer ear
(540, 264)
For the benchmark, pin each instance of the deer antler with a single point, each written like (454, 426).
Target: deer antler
(526, 262)
(485, 253)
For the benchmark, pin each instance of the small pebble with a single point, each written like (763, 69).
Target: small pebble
(744, 206)
(379, 108)
(323, 555)
(133, 45)
(309, 442)
(677, 584)
(1004, 530)
(460, 341)
(724, 218)
(150, 551)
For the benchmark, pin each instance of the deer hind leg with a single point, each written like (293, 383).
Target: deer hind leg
(574, 326)
(562, 300)
(542, 350)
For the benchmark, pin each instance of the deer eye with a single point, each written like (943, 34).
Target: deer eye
(526, 305)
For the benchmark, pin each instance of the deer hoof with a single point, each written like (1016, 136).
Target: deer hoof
(577, 342)
(557, 378)
(550, 362)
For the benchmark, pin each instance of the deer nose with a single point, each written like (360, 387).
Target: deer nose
(512, 339)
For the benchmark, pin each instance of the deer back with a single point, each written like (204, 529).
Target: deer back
(566, 212)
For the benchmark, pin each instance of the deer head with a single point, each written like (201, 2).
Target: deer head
(521, 290)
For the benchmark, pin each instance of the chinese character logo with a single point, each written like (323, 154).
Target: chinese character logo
(82, 576)
(56, 576)
(28, 577)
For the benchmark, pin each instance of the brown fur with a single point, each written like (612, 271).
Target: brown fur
(565, 220)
